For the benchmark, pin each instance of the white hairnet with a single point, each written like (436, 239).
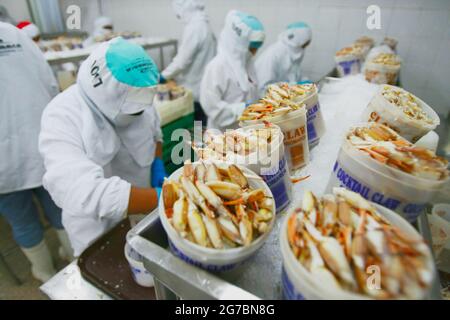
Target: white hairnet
(100, 24)
(296, 34)
(234, 43)
(108, 98)
(5, 17)
(185, 9)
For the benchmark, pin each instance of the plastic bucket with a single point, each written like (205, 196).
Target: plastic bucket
(295, 131)
(138, 271)
(398, 191)
(381, 73)
(347, 65)
(381, 110)
(298, 283)
(213, 260)
(270, 165)
(314, 118)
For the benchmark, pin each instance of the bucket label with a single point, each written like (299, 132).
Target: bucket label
(209, 267)
(277, 184)
(311, 118)
(289, 291)
(294, 140)
(342, 178)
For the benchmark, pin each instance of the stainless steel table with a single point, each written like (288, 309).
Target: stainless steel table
(76, 55)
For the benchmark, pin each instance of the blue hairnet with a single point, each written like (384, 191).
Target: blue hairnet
(130, 64)
(298, 25)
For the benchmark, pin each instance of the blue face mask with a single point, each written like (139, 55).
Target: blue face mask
(130, 64)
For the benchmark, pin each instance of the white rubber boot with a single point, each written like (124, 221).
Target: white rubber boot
(65, 250)
(41, 261)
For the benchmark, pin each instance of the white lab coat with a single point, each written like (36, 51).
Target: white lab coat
(222, 98)
(229, 81)
(196, 49)
(90, 166)
(27, 85)
(281, 62)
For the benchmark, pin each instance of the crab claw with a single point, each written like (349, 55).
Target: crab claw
(213, 232)
(229, 229)
(196, 225)
(237, 176)
(196, 197)
(227, 190)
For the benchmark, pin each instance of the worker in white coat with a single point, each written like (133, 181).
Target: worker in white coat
(196, 49)
(101, 142)
(27, 86)
(281, 62)
(230, 81)
(103, 27)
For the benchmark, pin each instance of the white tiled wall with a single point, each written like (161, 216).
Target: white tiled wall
(421, 26)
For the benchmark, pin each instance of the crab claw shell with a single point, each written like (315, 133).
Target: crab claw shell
(229, 229)
(212, 173)
(256, 195)
(263, 215)
(334, 257)
(309, 201)
(266, 203)
(200, 172)
(195, 196)
(246, 230)
(196, 226)
(353, 198)
(227, 190)
(188, 169)
(179, 219)
(170, 194)
(213, 232)
(237, 176)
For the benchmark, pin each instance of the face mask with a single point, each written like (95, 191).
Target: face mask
(124, 120)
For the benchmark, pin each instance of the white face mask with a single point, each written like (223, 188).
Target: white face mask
(124, 120)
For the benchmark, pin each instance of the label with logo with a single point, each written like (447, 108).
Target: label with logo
(342, 178)
(294, 143)
(278, 185)
(209, 267)
(311, 116)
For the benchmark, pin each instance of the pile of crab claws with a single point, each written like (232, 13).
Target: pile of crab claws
(214, 206)
(342, 236)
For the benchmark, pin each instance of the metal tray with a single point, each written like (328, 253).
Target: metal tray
(258, 278)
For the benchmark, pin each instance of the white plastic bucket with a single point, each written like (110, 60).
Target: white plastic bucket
(401, 192)
(347, 65)
(295, 131)
(138, 271)
(298, 283)
(315, 122)
(210, 259)
(381, 110)
(276, 175)
(381, 73)
(271, 165)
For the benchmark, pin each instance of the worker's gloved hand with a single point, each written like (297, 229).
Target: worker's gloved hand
(162, 80)
(157, 173)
